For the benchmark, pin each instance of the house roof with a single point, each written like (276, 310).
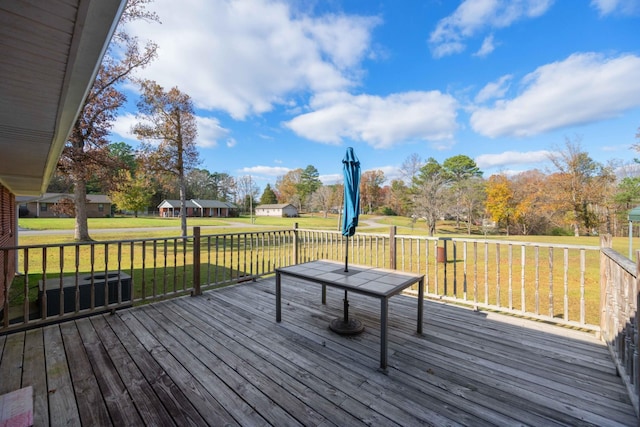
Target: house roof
(213, 204)
(49, 56)
(278, 206)
(56, 197)
(175, 204)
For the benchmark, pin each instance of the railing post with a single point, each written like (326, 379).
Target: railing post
(295, 243)
(636, 332)
(605, 242)
(392, 247)
(197, 290)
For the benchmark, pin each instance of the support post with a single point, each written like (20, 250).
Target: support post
(295, 243)
(392, 247)
(197, 290)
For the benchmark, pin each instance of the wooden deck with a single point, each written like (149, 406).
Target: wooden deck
(221, 358)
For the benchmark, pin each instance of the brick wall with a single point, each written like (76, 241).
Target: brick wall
(7, 237)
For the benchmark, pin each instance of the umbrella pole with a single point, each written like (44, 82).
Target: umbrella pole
(346, 257)
(346, 308)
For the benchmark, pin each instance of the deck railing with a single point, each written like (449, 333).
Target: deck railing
(64, 281)
(558, 283)
(619, 320)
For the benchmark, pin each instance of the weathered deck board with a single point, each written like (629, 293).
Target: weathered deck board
(32, 375)
(222, 359)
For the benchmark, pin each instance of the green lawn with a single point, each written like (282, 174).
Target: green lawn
(232, 225)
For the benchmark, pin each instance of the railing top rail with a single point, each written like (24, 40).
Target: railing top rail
(93, 242)
(146, 239)
(628, 265)
(530, 244)
(469, 240)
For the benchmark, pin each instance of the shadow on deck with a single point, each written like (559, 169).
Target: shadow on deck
(221, 358)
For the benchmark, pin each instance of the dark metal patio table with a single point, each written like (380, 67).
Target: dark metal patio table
(375, 282)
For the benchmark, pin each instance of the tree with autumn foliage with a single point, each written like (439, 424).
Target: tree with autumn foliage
(287, 187)
(168, 130)
(500, 204)
(580, 185)
(132, 192)
(371, 189)
(85, 156)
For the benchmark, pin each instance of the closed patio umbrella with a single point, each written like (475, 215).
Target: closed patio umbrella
(351, 209)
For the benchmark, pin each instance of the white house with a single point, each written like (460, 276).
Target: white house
(282, 210)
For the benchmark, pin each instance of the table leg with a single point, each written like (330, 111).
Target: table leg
(324, 294)
(420, 303)
(384, 313)
(278, 293)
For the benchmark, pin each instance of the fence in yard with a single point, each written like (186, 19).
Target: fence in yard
(545, 281)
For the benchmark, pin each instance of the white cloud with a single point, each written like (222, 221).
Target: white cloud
(380, 122)
(495, 89)
(231, 142)
(622, 7)
(508, 158)
(331, 179)
(265, 170)
(475, 16)
(583, 88)
(209, 131)
(244, 57)
(122, 126)
(487, 47)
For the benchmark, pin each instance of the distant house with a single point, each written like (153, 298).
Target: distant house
(98, 205)
(281, 210)
(197, 207)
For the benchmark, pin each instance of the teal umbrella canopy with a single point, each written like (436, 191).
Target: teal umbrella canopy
(351, 171)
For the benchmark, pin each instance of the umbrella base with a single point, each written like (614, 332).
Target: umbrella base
(351, 327)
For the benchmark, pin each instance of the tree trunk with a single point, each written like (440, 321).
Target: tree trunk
(81, 232)
(183, 206)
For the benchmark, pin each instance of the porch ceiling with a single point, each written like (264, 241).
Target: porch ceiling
(49, 54)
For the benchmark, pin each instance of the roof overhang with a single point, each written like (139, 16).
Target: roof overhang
(50, 53)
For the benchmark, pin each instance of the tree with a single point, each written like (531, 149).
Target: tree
(581, 185)
(309, 183)
(500, 204)
(133, 192)
(462, 170)
(85, 156)
(126, 157)
(370, 189)
(287, 186)
(428, 191)
(247, 193)
(530, 202)
(322, 198)
(268, 196)
(398, 197)
(200, 185)
(169, 132)
(411, 168)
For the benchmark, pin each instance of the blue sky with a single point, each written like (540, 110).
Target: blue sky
(280, 85)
